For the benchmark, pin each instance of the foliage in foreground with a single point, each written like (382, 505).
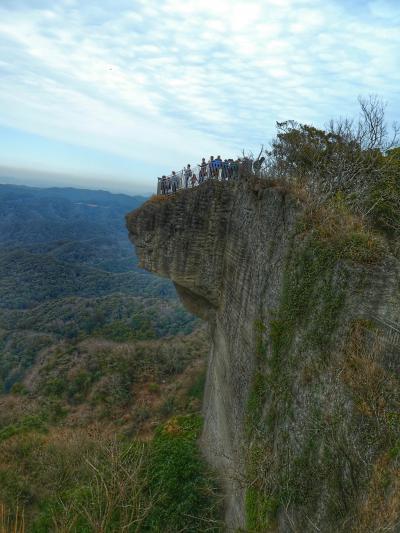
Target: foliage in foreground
(187, 495)
(87, 481)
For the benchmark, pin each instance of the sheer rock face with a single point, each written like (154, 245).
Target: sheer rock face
(223, 245)
(228, 247)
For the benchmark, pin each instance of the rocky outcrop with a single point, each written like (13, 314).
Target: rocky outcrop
(295, 327)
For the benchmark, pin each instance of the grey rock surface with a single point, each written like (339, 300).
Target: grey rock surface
(223, 246)
(226, 247)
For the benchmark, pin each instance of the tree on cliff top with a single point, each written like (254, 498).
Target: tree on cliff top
(350, 155)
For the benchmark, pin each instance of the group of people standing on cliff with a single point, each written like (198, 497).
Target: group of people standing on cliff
(214, 168)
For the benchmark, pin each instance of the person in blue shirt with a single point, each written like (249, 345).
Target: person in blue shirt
(217, 166)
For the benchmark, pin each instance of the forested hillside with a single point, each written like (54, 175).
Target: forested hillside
(95, 356)
(67, 270)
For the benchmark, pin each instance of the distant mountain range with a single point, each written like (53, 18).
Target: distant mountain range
(31, 215)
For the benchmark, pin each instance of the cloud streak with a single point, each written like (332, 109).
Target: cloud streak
(174, 80)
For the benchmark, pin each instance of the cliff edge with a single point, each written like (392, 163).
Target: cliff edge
(301, 405)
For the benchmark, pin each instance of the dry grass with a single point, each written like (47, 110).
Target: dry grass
(374, 389)
(347, 233)
(11, 522)
(375, 393)
(380, 510)
(116, 483)
(88, 477)
(158, 198)
(294, 189)
(13, 407)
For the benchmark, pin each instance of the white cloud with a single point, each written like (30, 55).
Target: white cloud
(173, 79)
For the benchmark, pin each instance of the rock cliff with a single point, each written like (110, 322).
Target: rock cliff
(301, 404)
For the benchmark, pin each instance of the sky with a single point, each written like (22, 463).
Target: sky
(113, 93)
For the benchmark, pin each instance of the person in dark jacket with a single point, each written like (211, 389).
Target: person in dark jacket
(164, 185)
(203, 170)
(211, 168)
(235, 169)
(225, 169)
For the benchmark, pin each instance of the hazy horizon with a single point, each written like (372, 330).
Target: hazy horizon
(44, 179)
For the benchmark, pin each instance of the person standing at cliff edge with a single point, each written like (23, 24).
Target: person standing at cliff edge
(211, 167)
(174, 181)
(203, 170)
(163, 179)
(187, 174)
(225, 169)
(218, 167)
(235, 169)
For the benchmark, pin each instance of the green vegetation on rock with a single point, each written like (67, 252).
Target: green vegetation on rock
(315, 282)
(188, 498)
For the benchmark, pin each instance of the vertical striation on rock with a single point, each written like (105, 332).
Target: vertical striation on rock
(240, 261)
(223, 246)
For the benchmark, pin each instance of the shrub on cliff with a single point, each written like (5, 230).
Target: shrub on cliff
(180, 480)
(385, 196)
(349, 156)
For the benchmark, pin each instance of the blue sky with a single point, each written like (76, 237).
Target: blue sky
(111, 93)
